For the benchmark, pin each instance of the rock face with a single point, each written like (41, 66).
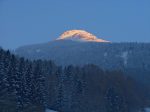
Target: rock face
(80, 35)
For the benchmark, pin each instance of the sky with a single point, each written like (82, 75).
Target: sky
(24, 22)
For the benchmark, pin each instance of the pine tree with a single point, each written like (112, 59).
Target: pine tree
(39, 83)
(114, 102)
(59, 100)
(19, 84)
(4, 68)
(28, 83)
(2, 72)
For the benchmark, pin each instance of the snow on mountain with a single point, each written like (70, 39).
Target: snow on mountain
(124, 55)
(80, 35)
(38, 50)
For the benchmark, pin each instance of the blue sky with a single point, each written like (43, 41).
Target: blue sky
(25, 22)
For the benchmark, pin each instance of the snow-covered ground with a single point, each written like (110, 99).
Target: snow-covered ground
(147, 109)
(48, 110)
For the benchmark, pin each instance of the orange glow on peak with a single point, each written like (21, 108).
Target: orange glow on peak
(80, 35)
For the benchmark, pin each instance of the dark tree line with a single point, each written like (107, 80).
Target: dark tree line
(68, 89)
(23, 79)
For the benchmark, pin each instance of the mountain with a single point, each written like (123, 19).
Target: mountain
(70, 49)
(66, 49)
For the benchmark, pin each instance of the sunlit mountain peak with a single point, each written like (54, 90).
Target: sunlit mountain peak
(80, 35)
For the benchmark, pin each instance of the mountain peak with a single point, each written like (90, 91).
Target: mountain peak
(80, 35)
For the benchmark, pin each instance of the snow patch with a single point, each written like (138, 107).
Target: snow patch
(147, 109)
(105, 54)
(48, 110)
(38, 50)
(124, 55)
(76, 38)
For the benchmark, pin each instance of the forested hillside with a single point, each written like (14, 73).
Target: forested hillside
(131, 58)
(106, 55)
(32, 86)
